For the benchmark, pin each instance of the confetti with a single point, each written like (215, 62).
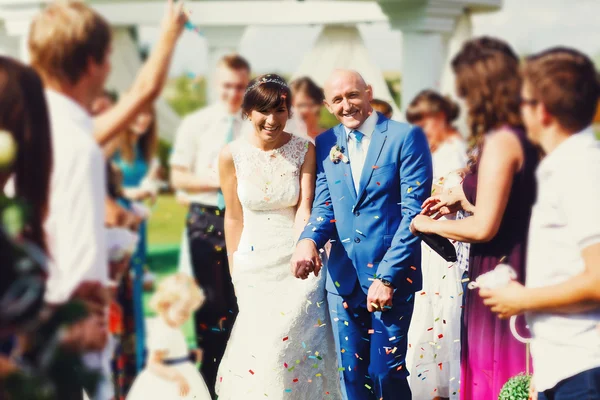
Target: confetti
(418, 183)
(392, 338)
(409, 280)
(371, 331)
(252, 372)
(285, 338)
(375, 167)
(378, 183)
(332, 221)
(413, 267)
(409, 190)
(337, 284)
(370, 265)
(345, 304)
(440, 336)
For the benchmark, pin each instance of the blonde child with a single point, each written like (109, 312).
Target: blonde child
(170, 374)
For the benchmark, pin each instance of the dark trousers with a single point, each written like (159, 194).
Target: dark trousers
(209, 262)
(583, 386)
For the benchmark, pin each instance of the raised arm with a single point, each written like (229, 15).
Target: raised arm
(501, 158)
(307, 190)
(234, 218)
(149, 82)
(415, 186)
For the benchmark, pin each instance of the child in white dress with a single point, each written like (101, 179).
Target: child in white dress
(169, 373)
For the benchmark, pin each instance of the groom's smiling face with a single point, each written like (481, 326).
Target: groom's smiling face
(348, 97)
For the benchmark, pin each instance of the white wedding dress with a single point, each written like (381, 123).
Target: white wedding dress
(281, 345)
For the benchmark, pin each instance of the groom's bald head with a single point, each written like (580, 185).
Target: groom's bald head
(348, 97)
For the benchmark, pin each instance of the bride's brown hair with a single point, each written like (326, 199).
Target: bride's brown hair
(266, 93)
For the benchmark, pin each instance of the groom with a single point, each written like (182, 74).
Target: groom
(373, 174)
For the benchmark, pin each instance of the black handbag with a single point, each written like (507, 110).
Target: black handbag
(440, 245)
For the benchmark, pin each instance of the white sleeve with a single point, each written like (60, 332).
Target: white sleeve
(80, 252)
(184, 148)
(581, 189)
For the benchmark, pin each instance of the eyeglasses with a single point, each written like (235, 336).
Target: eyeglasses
(529, 102)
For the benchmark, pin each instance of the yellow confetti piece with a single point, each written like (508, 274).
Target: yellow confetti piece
(337, 284)
(409, 190)
(418, 183)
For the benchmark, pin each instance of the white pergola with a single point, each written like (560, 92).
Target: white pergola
(432, 32)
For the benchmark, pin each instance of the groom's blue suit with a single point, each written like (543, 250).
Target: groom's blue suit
(371, 238)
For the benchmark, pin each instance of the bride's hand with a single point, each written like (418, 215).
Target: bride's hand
(305, 260)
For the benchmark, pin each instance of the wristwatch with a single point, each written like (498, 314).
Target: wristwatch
(387, 283)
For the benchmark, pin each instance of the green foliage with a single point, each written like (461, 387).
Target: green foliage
(186, 94)
(516, 388)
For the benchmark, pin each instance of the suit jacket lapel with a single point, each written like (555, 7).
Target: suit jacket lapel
(344, 168)
(377, 141)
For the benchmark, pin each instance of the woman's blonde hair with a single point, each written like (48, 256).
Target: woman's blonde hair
(175, 288)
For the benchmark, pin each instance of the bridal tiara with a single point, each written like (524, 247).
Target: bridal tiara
(266, 79)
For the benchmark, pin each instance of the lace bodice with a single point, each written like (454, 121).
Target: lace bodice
(268, 180)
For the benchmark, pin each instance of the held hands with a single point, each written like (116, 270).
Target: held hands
(505, 301)
(305, 260)
(379, 297)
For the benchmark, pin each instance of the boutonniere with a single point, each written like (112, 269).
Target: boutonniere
(337, 154)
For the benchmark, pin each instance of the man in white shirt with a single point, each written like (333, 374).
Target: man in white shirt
(69, 45)
(194, 163)
(562, 294)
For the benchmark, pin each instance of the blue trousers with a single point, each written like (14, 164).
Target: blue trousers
(371, 347)
(583, 386)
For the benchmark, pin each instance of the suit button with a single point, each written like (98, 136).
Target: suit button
(357, 213)
(356, 240)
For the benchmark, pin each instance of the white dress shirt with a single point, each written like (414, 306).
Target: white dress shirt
(357, 158)
(200, 139)
(75, 223)
(561, 227)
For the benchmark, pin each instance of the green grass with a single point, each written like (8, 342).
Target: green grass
(164, 237)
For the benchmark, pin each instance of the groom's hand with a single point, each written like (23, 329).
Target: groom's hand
(379, 297)
(305, 259)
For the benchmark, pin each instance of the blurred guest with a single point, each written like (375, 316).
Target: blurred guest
(434, 333)
(194, 162)
(562, 297)
(136, 160)
(499, 191)
(382, 107)
(69, 45)
(307, 102)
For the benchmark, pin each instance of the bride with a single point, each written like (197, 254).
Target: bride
(281, 346)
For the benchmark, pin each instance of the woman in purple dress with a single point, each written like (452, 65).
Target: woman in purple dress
(499, 192)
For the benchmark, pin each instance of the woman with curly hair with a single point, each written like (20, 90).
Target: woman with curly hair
(499, 191)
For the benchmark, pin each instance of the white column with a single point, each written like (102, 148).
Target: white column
(9, 45)
(221, 40)
(423, 56)
(463, 31)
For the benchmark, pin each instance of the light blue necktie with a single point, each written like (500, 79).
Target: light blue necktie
(356, 171)
(228, 139)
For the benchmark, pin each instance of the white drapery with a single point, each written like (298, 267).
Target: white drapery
(343, 47)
